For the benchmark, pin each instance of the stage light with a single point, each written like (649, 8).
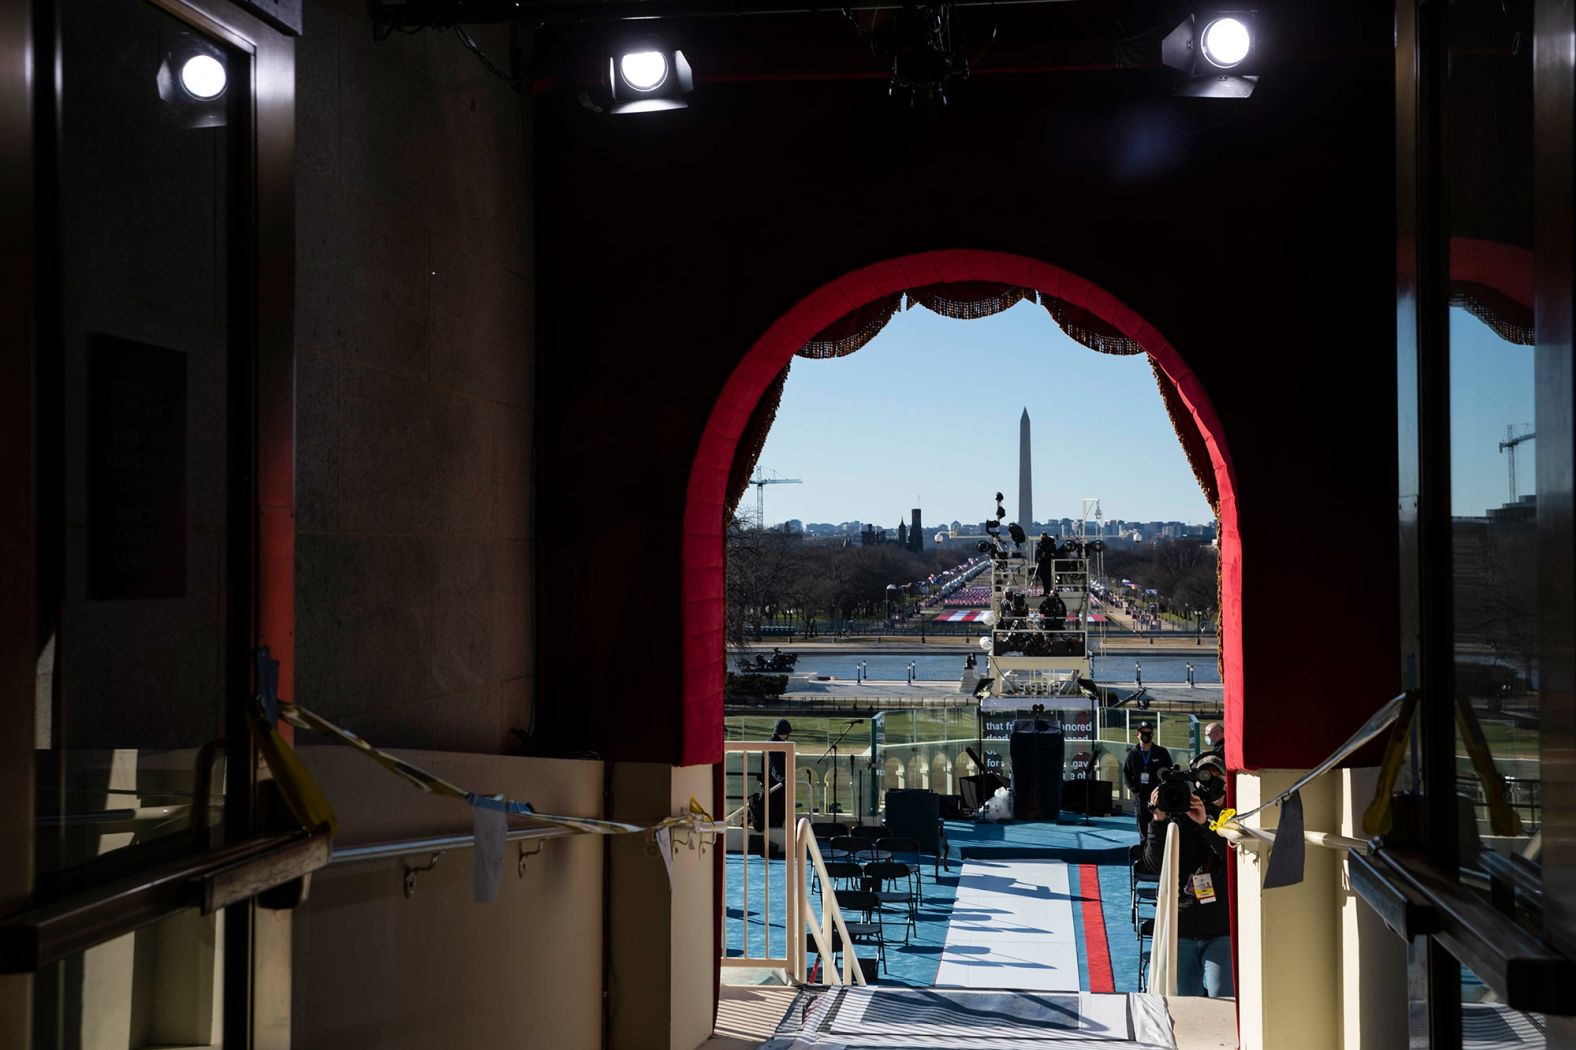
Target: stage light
(648, 77)
(1219, 52)
(192, 80)
(1225, 42)
(646, 70)
(203, 77)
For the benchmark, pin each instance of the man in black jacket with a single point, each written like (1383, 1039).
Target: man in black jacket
(1141, 771)
(1203, 963)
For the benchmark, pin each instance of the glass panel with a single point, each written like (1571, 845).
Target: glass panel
(1493, 446)
(1488, 1024)
(161, 986)
(133, 454)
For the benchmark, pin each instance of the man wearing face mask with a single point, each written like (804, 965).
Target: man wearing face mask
(1209, 774)
(1142, 773)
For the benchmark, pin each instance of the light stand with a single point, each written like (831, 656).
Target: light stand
(1094, 740)
(832, 751)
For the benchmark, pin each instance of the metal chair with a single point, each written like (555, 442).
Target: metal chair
(870, 929)
(847, 847)
(873, 832)
(828, 830)
(881, 874)
(1142, 882)
(845, 874)
(897, 847)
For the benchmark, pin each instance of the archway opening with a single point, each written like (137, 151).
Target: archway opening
(704, 656)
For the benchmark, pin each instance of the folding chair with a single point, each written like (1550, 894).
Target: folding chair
(826, 830)
(845, 874)
(882, 874)
(1143, 883)
(873, 832)
(868, 930)
(847, 847)
(899, 848)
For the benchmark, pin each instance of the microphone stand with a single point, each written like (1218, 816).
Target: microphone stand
(836, 808)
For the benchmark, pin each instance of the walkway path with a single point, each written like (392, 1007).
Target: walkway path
(1012, 927)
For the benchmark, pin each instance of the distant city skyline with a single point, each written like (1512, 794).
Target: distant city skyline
(927, 416)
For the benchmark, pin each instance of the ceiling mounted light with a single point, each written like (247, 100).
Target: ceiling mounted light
(1225, 42)
(192, 80)
(648, 77)
(1218, 51)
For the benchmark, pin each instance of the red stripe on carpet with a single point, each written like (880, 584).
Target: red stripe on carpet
(1095, 947)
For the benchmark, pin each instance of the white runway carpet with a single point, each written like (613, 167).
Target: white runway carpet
(1012, 927)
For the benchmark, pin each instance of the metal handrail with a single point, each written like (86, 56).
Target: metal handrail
(207, 879)
(434, 845)
(805, 848)
(1163, 942)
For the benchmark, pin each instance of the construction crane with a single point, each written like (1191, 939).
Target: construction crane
(1512, 439)
(760, 481)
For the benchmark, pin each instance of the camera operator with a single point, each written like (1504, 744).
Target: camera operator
(1203, 962)
(1209, 774)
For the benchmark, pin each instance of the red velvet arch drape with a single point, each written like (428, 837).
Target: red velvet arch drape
(964, 300)
(844, 315)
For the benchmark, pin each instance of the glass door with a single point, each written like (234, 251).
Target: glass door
(1476, 872)
(160, 458)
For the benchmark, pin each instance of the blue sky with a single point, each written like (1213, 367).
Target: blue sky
(929, 411)
(1491, 385)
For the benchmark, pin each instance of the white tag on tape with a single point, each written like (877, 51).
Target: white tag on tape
(665, 847)
(491, 826)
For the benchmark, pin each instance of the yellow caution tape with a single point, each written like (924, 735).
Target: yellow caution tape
(302, 718)
(1502, 818)
(1377, 817)
(1220, 821)
(296, 783)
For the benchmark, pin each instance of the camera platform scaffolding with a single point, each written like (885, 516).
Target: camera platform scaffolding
(1038, 646)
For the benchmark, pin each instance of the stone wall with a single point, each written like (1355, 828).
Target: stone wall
(414, 385)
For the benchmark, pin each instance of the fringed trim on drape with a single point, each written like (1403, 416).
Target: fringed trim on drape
(969, 300)
(1220, 604)
(1187, 433)
(748, 452)
(1087, 329)
(853, 330)
(1510, 320)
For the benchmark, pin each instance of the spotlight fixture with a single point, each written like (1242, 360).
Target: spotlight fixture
(1016, 532)
(203, 77)
(1217, 50)
(647, 76)
(192, 79)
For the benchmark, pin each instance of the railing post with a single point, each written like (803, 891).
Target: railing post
(1163, 945)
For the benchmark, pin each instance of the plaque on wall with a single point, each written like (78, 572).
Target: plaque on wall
(136, 470)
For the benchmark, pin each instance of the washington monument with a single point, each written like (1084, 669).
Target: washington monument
(1025, 478)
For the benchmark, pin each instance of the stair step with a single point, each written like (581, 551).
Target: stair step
(943, 1019)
